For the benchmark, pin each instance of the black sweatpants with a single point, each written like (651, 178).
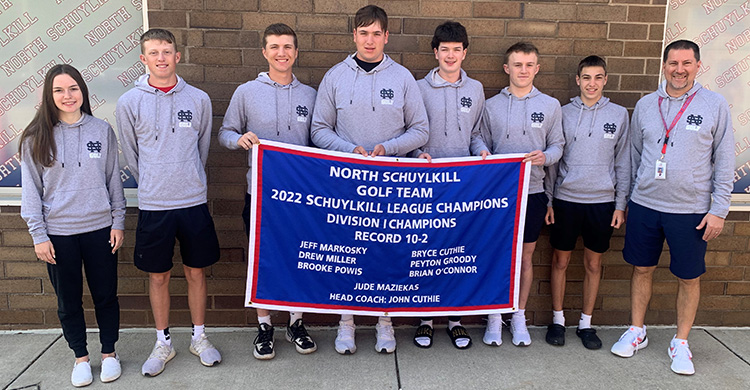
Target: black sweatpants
(92, 251)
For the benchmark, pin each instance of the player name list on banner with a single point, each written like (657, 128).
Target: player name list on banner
(98, 37)
(339, 233)
(722, 30)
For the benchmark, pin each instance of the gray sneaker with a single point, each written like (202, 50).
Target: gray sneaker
(160, 355)
(206, 351)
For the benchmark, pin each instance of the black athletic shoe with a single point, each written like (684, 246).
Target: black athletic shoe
(264, 343)
(297, 334)
(555, 335)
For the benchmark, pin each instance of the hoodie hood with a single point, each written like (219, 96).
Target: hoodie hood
(265, 79)
(581, 106)
(662, 91)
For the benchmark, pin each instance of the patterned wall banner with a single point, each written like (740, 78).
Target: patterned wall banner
(722, 30)
(339, 233)
(98, 37)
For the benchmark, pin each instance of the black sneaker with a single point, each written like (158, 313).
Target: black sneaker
(297, 334)
(555, 335)
(264, 343)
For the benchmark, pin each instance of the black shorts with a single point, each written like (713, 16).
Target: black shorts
(590, 220)
(156, 233)
(536, 209)
(246, 213)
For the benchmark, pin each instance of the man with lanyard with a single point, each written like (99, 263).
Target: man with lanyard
(683, 159)
(250, 117)
(369, 105)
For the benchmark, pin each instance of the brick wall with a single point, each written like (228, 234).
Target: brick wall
(220, 42)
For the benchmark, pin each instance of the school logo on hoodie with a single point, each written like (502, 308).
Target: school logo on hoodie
(185, 117)
(95, 149)
(694, 122)
(386, 96)
(302, 113)
(609, 130)
(536, 119)
(466, 104)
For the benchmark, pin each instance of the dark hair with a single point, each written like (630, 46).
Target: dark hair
(370, 14)
(158, 34)
(450, 31)
(523, 47)
(592, 61)
(278, 29)
(682, 44)
(40, 131)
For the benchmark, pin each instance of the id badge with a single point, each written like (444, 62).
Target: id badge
(660, 170)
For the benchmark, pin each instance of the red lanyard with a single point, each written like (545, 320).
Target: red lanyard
(674, 122)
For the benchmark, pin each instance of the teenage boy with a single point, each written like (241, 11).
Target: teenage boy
(590, 192)
(520, 119)
(165, 131)
(369, 105)
(682, 151)
(454, 104)
(275, 106)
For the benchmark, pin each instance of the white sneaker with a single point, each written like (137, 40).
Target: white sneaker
(81, 375)
(682, 358)
(111, 369)
(385, 341)
(160, 355)
(206, 351)
(521, 336)
(493, 335)
(345, 339)
(630, 342)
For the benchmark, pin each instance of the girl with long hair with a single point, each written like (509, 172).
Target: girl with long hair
(73, 203)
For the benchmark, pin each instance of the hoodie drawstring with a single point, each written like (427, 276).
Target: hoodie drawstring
(372, 90)
(354, 83)
(289, 117)
(156, 99)
(591, 128)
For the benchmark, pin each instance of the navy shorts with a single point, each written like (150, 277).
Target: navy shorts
(645, 234)
(156, 233)
(536, 209)
(590, 220)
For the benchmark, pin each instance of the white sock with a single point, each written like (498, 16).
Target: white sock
(264, 320)
(584, 322)
(347, 319)
(294, 316)
(520, 313)
(198, 331)
(559, 318)
(424, 341)
(163, 336)
(640, 331)
(495, 316)
(451, 324)
(385, 321)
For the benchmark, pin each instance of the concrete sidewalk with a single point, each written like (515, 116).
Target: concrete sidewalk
(42, 360)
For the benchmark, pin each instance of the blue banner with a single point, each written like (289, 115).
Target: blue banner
(340, 233)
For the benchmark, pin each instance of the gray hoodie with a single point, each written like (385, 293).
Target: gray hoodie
(165, 139)
(358, 108)
(270, 110)
(595, 166)
(455, 112)
(82, 191)
(521, 125)
(699, 156)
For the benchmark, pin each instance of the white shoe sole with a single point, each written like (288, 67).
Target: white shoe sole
(638, 347)
(384, 350)
(263, 357)
(495, 343)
